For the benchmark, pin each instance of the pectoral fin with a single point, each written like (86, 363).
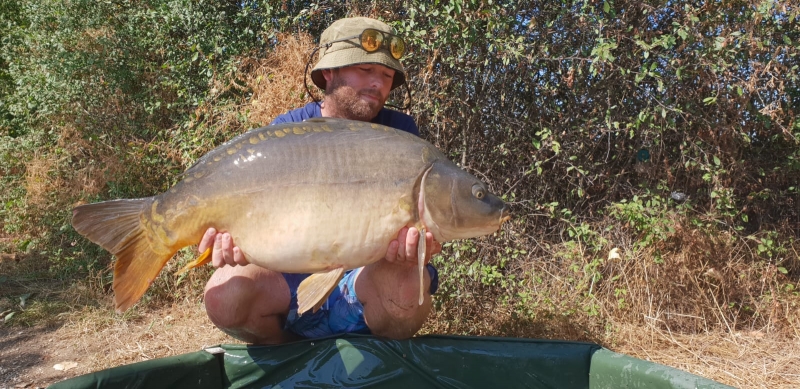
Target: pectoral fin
(315, 289)
(200, 261)
(422, 249)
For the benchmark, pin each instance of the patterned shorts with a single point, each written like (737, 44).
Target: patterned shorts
(341, 313)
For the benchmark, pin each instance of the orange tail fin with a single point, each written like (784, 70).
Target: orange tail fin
(115, 226)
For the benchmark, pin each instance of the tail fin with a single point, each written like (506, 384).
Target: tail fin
(116, 226)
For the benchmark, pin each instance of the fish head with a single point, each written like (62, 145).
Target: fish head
(456, 205)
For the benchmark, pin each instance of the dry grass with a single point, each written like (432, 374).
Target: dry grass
(277, 80)
(273, 85)
(74, 168)
(75, 322)
(743, 359)
(168, 330)
(96, 338)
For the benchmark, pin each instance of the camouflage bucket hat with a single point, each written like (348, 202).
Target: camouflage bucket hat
(349, 52)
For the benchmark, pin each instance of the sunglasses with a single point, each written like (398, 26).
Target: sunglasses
(372, 40)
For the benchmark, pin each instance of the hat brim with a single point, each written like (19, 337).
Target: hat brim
(354, 56)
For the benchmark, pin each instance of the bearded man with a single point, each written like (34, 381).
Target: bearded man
(359, 65)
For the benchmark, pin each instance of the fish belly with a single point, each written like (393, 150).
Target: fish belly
(317, 229)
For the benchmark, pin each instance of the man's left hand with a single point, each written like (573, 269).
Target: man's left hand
(403, 250)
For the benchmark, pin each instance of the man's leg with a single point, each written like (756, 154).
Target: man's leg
(389, 293)
(249, 303)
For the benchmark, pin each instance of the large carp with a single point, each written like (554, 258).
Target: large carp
(321, 196)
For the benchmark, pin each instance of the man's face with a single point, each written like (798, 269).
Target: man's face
(358, 92)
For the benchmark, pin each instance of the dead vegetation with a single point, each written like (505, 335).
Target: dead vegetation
(270, 85)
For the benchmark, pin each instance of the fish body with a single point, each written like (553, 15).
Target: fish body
(320, 196)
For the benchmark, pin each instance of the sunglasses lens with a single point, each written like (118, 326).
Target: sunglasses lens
(371, 40)
(397, 47)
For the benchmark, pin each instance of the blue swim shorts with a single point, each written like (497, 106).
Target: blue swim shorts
(341, 313)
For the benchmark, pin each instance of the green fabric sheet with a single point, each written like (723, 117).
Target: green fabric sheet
(354, 361)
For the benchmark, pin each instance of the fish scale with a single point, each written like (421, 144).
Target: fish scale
(318, 197)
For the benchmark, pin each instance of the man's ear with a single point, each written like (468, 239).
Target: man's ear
(327, 74)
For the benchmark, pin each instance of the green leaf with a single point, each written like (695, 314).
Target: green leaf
(783, 270)
(556, 147)
(719, 43)
(606, 7)
(787, 40)
(716, 160)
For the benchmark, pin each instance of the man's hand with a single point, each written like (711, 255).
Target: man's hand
(224, 252)
(403, 250)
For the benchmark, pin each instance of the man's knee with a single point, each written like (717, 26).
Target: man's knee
(390, 295)
(223, 298)
(403, 323)
(234, 295)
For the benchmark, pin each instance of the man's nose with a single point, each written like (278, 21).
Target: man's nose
(377, 81)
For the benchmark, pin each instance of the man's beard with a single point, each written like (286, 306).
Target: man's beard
(346, 103)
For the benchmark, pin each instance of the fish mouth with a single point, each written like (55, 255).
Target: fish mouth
(505, 214)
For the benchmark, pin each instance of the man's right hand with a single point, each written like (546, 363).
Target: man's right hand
(223, 252)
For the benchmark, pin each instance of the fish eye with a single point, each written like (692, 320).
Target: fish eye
(478, 192)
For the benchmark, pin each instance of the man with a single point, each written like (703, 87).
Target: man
(358, 67)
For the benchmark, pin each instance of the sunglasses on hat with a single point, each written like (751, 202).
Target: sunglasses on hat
(372, 40)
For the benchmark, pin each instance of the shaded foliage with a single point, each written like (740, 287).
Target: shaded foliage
(666, 128)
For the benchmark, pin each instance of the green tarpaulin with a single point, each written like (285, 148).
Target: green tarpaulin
(423, 362)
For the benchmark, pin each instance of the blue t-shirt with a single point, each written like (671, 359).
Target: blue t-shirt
(386, 117)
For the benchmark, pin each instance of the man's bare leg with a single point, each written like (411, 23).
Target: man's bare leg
(249, 303)
(389, 293)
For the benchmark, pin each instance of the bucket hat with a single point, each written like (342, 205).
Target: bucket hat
(349, 52)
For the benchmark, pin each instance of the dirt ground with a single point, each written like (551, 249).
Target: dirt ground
(28, 355)
(95, 339)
